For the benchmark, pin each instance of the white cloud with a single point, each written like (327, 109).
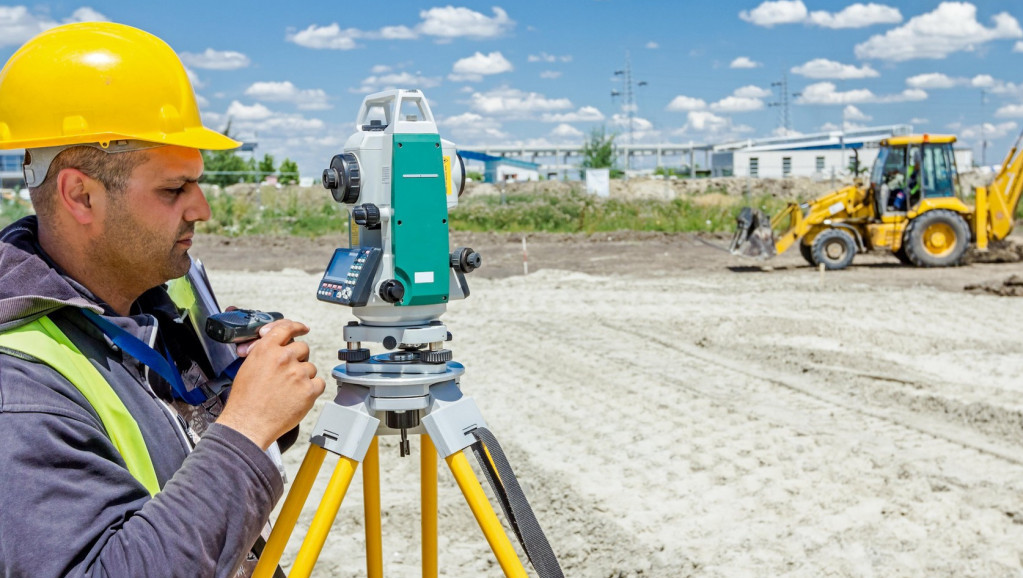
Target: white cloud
(380, 69)
(216, 59)
(683, 103)
(473, 68)
(642, 129)
(86, 14)
(1010, 111)
(550, 74)
(201, 100)
(851, 113)
(514, 103)
(711, 126)
(933, 80)
(584, 114)
(988, 131)
(737, 104)
(241, 111)
(443, 23)
(938, 80)
(825, 93)
(566, 131)
(918, 120)
(824, 68)
(775, 12)
(857, 16)
(18, 25)
(397, 33)
(983, 81)
(782, 131)
(470, 126)
(194, 78)
(744, 62)
(751, 91)
(330, 37)
(377, 83)
(452, 22)
(544, 57)
(307, 99)
(1018, 47)
(951, 27)
(652, 45)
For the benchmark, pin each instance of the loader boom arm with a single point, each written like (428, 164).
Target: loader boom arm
(997, 203)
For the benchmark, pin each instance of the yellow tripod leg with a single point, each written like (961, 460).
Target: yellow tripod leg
(324, 518)
(485, 516)
(288, 517)
(428, 465)
(371, 501)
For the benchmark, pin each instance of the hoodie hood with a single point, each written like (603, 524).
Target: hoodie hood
(30, 286)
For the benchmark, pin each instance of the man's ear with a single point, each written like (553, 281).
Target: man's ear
(77, 195)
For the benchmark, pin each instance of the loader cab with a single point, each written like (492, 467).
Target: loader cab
(909, 169)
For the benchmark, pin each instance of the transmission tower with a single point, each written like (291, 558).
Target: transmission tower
(983, 136)
(630, 106)
(783, 102)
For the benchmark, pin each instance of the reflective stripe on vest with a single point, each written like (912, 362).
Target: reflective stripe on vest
(44, 341)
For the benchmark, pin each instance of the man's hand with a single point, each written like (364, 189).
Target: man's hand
(276, 385)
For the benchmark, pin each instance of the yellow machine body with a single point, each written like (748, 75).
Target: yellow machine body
(932, 227)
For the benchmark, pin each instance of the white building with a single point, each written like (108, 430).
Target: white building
(819, 156)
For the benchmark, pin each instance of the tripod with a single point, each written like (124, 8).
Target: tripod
(418, 392)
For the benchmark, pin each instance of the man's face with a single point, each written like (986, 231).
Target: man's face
(148, 228)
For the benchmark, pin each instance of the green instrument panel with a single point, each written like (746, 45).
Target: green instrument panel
(420, 221)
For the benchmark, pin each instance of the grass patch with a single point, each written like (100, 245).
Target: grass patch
(312, 212)
(271, 211)
(577, 212)
(13, 209)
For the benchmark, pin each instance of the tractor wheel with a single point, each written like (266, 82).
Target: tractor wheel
(807, 252)
(902, 256)
(835, 248)
(937, 238)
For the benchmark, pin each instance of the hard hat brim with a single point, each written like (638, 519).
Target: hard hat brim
(196, 138)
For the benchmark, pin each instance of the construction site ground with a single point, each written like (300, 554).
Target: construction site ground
(672, 410)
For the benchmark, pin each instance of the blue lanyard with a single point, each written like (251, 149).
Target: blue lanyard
(161, 364)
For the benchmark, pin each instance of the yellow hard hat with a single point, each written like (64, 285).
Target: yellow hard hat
(96, 82)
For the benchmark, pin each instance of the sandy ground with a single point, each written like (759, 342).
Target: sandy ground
(674, 411)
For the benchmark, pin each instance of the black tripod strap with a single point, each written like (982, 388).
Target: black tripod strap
(516, 507)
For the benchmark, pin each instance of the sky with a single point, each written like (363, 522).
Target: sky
(292, 77)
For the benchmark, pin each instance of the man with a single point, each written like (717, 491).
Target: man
(102, 476)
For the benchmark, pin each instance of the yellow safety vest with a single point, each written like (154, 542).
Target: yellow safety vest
(43, 340)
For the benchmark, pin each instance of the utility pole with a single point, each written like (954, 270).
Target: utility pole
(783, 102)
(983, 136)
(630, 108)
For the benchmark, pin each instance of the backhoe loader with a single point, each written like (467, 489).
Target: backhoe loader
(912, 206)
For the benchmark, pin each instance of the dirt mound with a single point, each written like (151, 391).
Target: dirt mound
(1011, 287)
(1007, 251)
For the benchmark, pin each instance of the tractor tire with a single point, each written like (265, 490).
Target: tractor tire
(937, 238)
(807, 252)
(901, 255)
(835, 248)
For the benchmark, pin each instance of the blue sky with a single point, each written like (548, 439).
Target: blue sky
(292, 76)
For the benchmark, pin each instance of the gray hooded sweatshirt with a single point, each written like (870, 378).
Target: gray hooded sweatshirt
(68, 505)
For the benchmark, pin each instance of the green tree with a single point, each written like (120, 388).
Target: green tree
(288, 174)
(599, 151)
(223, 167)
(855, 168)
(266, 167)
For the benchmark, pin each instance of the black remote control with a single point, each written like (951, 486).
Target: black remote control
(238, 325)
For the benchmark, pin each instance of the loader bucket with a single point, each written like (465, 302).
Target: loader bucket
(753, 235)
